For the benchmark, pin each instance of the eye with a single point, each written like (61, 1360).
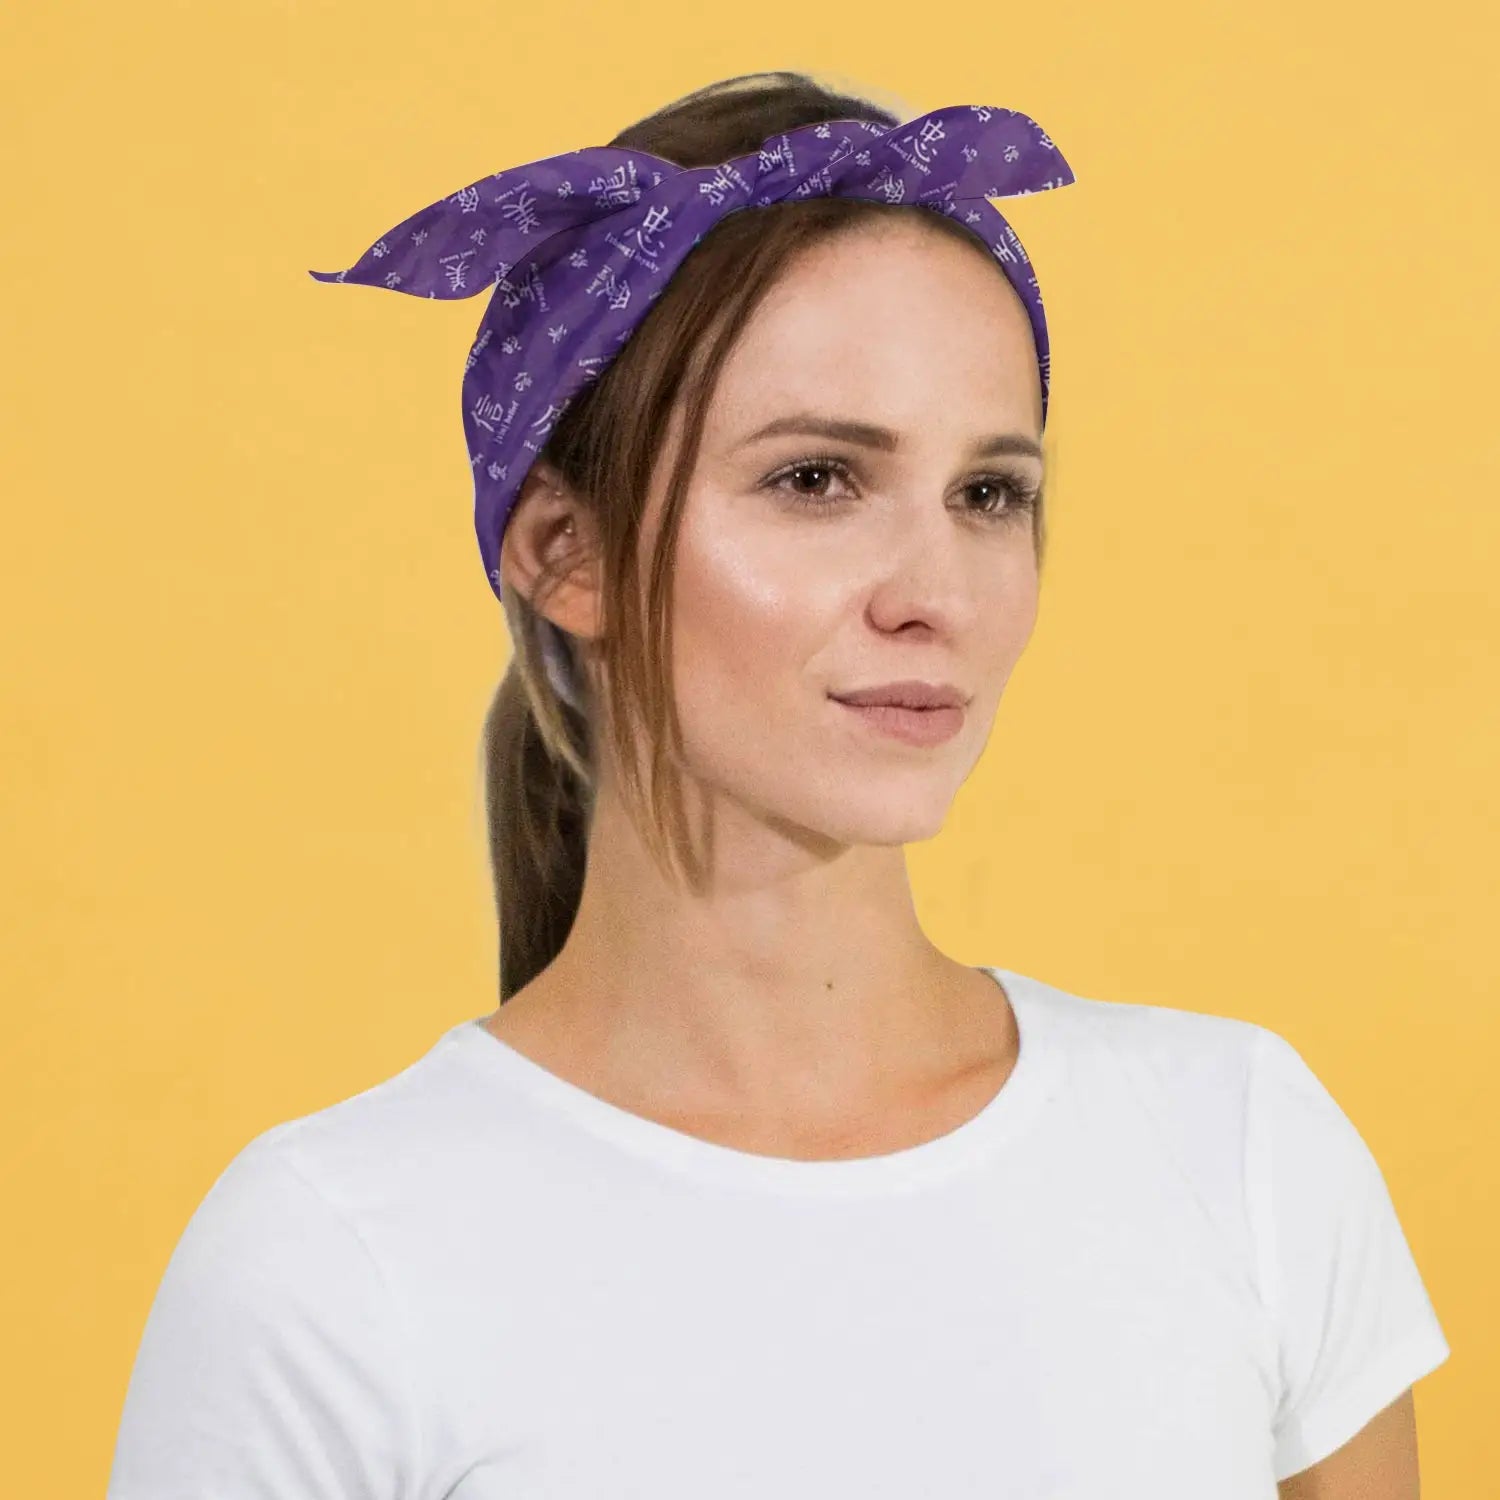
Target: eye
(1018, 494)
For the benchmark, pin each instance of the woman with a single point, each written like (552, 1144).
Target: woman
(745, 1189)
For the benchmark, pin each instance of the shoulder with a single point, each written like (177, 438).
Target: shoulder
(274, 1347)
(1183, 1057)
(402, 1154)
(1160, 1094)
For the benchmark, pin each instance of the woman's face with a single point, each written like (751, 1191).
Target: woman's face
(811, 564)
(872, 564)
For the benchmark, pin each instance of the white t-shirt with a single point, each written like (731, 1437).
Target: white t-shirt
(1160, 1264)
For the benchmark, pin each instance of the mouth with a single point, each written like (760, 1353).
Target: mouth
(913, 726)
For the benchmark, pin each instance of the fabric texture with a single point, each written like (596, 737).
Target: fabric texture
(1354, 1317)
(1159, 1264)
(578, 246)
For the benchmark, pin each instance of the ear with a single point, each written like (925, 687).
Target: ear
(550, 526)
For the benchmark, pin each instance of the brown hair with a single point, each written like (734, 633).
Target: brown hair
(538, 750)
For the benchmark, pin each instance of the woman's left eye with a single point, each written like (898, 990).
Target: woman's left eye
(1018, 496)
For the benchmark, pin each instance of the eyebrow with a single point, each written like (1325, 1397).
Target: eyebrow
(867, 435)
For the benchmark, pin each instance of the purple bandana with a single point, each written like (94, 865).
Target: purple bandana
(578, 246)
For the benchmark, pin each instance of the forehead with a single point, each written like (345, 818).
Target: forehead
(895, 325)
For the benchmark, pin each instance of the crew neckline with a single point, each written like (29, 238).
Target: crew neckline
(1036, 1077)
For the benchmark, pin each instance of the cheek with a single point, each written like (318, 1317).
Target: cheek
(1016, 607)
(746, 615)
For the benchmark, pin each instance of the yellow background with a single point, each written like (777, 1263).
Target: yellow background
(1247, 766)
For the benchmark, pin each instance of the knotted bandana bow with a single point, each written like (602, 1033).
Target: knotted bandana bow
(578, 246)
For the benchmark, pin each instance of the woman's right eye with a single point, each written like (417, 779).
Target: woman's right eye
(806, 466)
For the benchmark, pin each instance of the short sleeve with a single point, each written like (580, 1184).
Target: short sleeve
(1353, 1319)
(270, 1366)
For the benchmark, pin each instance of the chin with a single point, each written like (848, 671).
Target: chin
(879, 818)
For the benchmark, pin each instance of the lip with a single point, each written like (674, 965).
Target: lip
(915, 726)
(909, 693)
